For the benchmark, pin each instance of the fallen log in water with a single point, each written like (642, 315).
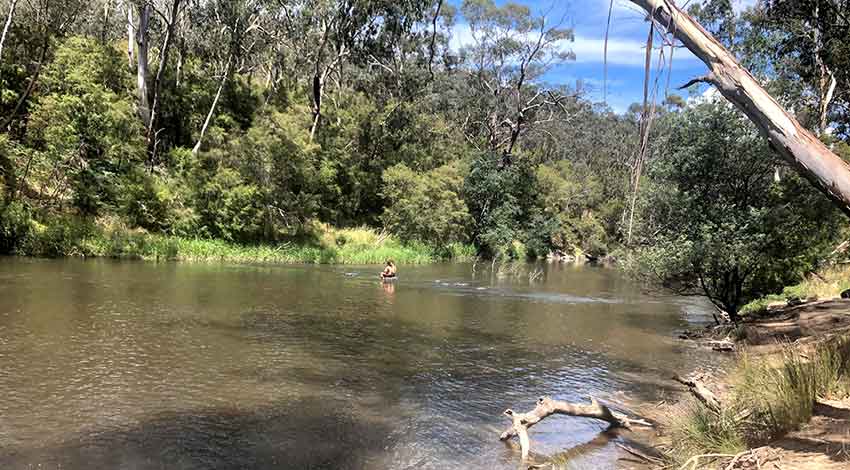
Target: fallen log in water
(545, 407)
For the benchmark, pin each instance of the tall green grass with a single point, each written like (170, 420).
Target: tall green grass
(769, 399)
(331, 246)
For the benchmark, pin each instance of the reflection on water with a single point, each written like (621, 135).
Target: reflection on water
(149, 366)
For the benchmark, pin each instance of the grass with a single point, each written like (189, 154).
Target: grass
(331, 246)
(769, 399)
(826, 284)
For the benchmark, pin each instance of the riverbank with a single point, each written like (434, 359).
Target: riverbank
(326, 245)
(785, 401)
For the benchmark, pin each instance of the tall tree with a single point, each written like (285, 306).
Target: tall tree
(170, 17)
(143, 44)
(812, 48)
(511, 49)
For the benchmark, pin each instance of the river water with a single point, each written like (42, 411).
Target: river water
(132, 365)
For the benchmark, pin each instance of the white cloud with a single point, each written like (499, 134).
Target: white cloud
(621, 51)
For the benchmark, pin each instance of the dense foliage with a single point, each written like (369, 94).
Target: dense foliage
(347, 113)
(266, 123)
(719, 222)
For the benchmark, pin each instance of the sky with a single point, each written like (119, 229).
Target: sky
(626, 49)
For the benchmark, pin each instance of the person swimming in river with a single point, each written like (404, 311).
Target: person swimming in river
(389, 271)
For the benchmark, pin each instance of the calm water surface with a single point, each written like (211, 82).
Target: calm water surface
(125, 365)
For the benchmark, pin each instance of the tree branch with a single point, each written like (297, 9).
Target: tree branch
(546, 407)
(707, 78)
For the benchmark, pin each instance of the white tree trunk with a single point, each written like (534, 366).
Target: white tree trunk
(142, 36)
(197, 146)
(163, 59)
(804, 151)
(131, 35)
(6, 27)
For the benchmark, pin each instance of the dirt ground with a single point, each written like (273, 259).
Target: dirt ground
(823, 443)
(805, 322)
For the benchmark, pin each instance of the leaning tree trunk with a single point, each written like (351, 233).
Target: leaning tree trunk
(197, 147)
(804, 151)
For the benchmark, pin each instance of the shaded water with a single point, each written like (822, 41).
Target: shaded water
(108, 365)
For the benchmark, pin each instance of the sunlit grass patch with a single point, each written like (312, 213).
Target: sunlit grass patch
(825, 284)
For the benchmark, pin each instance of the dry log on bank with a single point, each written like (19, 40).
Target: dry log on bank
(701, 392)
(545, 407)
(722, 345)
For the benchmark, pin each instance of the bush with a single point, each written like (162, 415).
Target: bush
(230, 208)
(502, 202)
(83, 127)
(569, 199)
(426, 207)
(63, 236)
(148, 202)
(15, 226)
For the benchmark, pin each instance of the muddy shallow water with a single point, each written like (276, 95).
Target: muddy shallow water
(107, 365)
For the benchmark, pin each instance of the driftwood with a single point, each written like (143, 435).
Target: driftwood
(701, 392)
(640, 454)
(545, 407)
(722, 345)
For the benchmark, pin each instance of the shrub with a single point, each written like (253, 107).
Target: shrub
(426, 207)
(15, 226)
(502, 201)
(148, 202)
(230, 208)
(63, 236)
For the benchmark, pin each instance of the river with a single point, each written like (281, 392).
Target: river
(133, 365)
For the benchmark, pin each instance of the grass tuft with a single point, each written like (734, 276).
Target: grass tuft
(769, 399)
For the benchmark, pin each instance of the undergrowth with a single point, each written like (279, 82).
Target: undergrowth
(87, 238)
(769, 399)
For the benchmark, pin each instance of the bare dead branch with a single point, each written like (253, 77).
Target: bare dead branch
(545, 407)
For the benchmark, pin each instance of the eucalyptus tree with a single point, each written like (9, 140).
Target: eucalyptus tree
(812, 47)
(223, 33)
(511, 49)
(809, 156)
(6, 25)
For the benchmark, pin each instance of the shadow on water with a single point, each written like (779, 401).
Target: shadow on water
(303, 434)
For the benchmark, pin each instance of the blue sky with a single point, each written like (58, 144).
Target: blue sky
(626, 49)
